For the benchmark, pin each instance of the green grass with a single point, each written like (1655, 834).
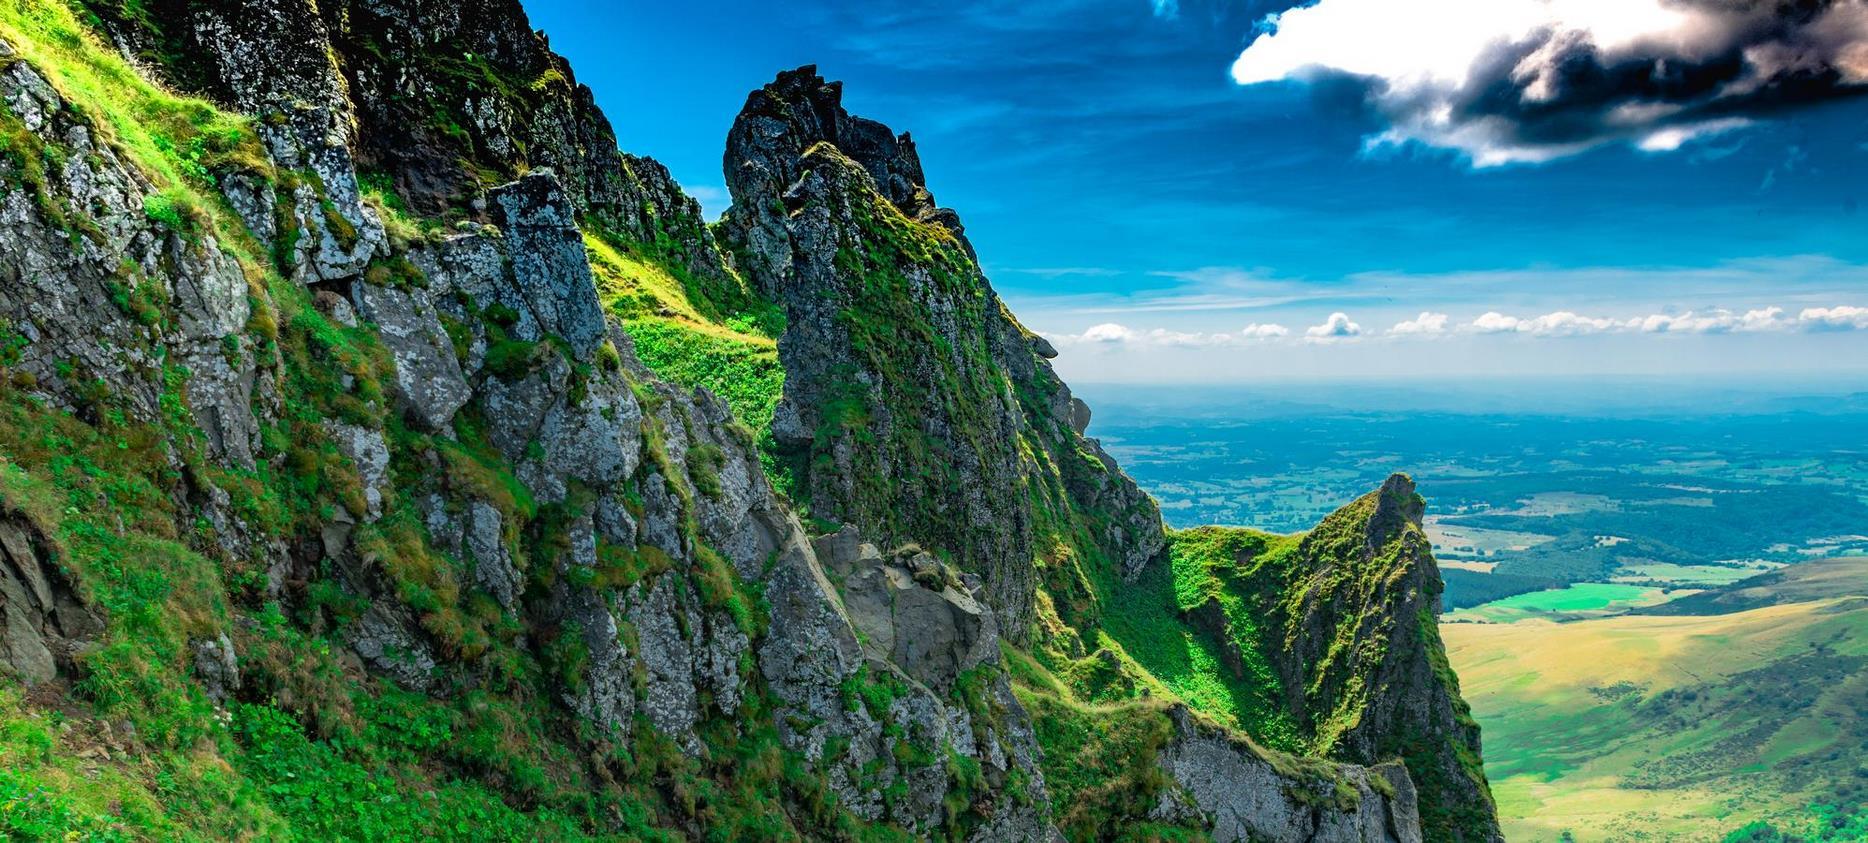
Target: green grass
(1580, 599)
(1669, 726)
(135, 750)
(178, 142)
(1100, 761)
(325, 795)
(742, 369)
(1217, 665)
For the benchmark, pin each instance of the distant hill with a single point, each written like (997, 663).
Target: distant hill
(1793, 584)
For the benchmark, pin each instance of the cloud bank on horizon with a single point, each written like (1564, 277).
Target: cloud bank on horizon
(1527, 81)
(1339, 327)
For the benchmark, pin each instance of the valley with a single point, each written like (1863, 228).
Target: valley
(1655, 616)
(1675, 727)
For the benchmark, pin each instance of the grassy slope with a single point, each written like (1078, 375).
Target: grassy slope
(681, 335)
(1654, 727)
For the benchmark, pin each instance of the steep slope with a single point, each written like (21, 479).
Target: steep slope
(917, 408)
(914, 406)
(1325, 644)
(1362, 662)
(451, 473)
(386, 456)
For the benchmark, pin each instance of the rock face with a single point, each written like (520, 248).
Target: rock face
(43, 622)
(914, 404)
(1232, 789)
(268, 58)
(1365, 669)
(86, 275)
(911, 610)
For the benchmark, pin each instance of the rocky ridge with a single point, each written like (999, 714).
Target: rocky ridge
(339, 372)
(1357, 604)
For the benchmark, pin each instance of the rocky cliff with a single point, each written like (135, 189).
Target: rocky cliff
(1352, 608)
(386, 455)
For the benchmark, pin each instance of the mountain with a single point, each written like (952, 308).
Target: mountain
(389, 456)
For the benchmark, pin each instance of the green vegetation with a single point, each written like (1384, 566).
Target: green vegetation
(743, 370)
(1822, 824)
(180, 143)
(887, 266)
(1578, 600)
(1194, 625)
(1682, 726)
(1100, 761)
(160, 538)
(311, 749)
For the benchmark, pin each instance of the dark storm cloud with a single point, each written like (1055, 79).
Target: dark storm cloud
(1551, 77)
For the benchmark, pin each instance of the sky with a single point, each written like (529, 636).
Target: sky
(1241, 190)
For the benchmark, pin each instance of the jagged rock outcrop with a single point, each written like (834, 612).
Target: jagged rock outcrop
(607, 444)
(1232, 789)
(43, 620)
(95, 290)
(268, 58)
(765, 154)
(1362, 662)
(914, 405)
(912, 610)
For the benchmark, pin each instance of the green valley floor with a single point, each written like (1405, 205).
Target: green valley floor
(1744, 708)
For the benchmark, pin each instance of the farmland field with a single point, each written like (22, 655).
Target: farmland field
(1757, 714)
(1576, 601)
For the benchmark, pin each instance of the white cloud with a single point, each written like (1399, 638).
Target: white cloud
(1108, 332)
(1169, 9)
(1715, 321)
(1509, 81)
(1562, 323)
(1426, 324)
(1844, 318)
(1337, 327)
(1111, 333)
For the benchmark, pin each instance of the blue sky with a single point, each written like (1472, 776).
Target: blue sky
(1131, 198)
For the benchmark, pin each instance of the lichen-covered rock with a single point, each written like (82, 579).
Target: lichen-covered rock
(913, 401)
(1243, 797)
(485, 543)
(217, 667)
(910, 613)
(765, 157)
(1367, 574)
(98, 292)
(552, 292)
(388, 641)
(542, 538)
(367, 451)
(269, 58)
(43, 622)
(430, 387)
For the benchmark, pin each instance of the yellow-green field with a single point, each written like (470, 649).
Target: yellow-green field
(1672, 728)
(1581, 600)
